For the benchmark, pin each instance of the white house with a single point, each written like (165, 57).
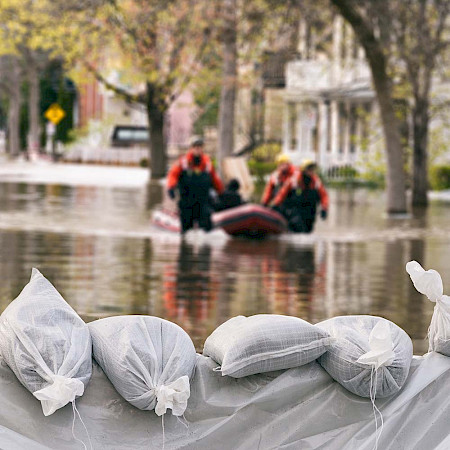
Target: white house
(330, 109)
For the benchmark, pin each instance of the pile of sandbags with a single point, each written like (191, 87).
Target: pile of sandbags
(151, 361)
(49, 348)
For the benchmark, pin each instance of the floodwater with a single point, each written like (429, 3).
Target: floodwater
(96, 245)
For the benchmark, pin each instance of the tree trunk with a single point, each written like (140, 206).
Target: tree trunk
(228, 92)
(14, 110)
(156, 109)
(395, 178)
(395, 175)
(420, 157)
(33, 108)
(13, 125)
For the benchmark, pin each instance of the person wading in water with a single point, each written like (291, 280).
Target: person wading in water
(304, 192)
(277, 180)
(193, 175)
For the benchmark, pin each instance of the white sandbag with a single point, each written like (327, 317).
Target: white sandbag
(370, 356)
(429, 282)
(245, 346)
(148, 360)
(46, 344)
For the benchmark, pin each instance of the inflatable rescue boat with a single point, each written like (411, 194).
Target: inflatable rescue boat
(249, 220)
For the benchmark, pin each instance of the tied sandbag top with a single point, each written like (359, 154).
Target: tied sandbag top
(429, 283)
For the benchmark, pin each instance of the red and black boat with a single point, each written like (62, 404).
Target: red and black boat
(249, 220)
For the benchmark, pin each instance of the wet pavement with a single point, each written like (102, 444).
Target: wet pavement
(87, 229)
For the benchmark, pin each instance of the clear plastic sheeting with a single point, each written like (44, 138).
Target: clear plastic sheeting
(297, 408)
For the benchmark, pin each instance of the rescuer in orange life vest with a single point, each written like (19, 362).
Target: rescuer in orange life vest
(193, 175)
(298, 198)
(278, 178)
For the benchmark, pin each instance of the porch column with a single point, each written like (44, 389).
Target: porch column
(334, 144)
(322, 157)
(300, 128)
(346, 131)
(286, 128)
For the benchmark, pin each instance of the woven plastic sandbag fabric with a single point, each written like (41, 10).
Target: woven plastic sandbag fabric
(148, 360)
(262, 343)
(46, 344)
(351, 335)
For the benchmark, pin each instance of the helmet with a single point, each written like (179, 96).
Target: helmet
(234, 185)
(307, 164)
(283, 158)
(197, 143)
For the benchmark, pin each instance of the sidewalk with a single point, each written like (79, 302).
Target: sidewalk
(95, 175)
(72, 174)
(440, 195)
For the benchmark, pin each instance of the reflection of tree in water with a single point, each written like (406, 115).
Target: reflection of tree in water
(251, 286)
(300, 261)
(189, 291)
(14, 273)
(269, 276)
(154, 194)
(401, 303)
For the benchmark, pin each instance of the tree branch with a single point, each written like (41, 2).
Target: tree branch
(134, 98)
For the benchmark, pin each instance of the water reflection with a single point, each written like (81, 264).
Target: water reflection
(189, 290)
(96, 246)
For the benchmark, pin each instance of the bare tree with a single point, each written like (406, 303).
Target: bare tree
(403, 40)
(418, 28)
(360, 16)
(229, 84)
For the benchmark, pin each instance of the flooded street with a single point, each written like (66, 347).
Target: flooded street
(92, 238)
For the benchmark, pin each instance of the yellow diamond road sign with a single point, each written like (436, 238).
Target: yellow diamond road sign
(54, 113)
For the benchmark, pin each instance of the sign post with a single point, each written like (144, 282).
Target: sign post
(54, 114)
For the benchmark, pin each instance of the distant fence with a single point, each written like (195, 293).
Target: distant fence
(118, 155)
(337, 173)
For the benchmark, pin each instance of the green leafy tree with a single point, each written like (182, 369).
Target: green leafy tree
(30, 35)
(158, 45)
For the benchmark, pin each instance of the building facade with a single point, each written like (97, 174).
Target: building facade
(330, 112)
(329, 104)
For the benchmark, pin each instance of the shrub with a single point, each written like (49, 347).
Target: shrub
(262, 160)
(266, 152)
(260, 169)
(440, 177)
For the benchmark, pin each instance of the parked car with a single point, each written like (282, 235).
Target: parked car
(130, 136)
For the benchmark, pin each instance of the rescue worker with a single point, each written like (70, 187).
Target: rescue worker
(230, 198)
(305, 190)
(277, 180)
(193, 175)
